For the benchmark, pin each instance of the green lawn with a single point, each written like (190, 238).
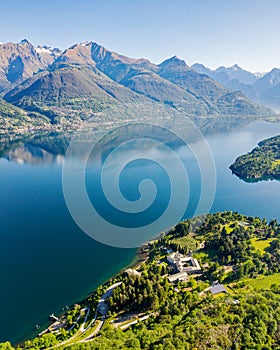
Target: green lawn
(207, 255)
(228, 227)
(263, 282)
(261, 244)
(275, 163)
(231, 225)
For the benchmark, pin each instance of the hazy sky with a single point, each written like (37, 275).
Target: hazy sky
(212, 32)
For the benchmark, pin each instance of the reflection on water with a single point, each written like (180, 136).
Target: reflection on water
(56, 143)
(46, 261)
(28, 153)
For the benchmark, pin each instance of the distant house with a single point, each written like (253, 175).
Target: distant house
(183, 263)
(132, 272)
(243, 223)
(176, 277)
(217, 288)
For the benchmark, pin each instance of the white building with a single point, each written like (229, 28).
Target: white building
(184, 263)
(180, 276)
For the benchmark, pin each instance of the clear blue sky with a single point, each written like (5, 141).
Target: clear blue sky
(213, 32)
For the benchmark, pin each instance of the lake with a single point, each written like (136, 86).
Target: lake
(47, 261)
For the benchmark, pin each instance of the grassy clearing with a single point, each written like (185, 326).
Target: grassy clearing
(263, 282)
(261, 244)
(207, 255)
(229, 227)
(275, 163)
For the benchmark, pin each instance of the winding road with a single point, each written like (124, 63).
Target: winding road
(101, 308)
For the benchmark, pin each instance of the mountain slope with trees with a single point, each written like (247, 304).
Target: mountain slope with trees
(70, 92)
(13, 118)
(86, 80)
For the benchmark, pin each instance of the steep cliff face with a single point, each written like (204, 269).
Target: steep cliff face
(19, 61)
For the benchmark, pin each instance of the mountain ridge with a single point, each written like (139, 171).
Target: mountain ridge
(263, 88)
(19, 61)
(86, 79)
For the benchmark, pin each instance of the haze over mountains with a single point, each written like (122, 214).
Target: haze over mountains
(261, 88)
(80, 83)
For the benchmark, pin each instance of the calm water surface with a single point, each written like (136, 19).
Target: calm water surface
(47, 262)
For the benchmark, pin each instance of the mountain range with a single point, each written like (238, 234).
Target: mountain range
(19, 61)
(53, 87)
(263, 88)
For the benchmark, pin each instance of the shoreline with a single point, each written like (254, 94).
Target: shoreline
(139, 258)
(263, 177)
(222, 220)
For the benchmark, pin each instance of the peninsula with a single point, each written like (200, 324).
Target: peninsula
(262, 163)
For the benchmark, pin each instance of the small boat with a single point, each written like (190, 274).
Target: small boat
(37, 326)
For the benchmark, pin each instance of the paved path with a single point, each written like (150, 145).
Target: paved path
(96, 330)
(68, 341)
(82, 328)
(134, 322)
(102, 308)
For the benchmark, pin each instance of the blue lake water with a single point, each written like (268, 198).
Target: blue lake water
(47, 262)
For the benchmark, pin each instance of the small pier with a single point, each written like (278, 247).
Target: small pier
(53, 317)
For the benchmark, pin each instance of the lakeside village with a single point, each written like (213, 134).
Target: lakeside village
(212, 262)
